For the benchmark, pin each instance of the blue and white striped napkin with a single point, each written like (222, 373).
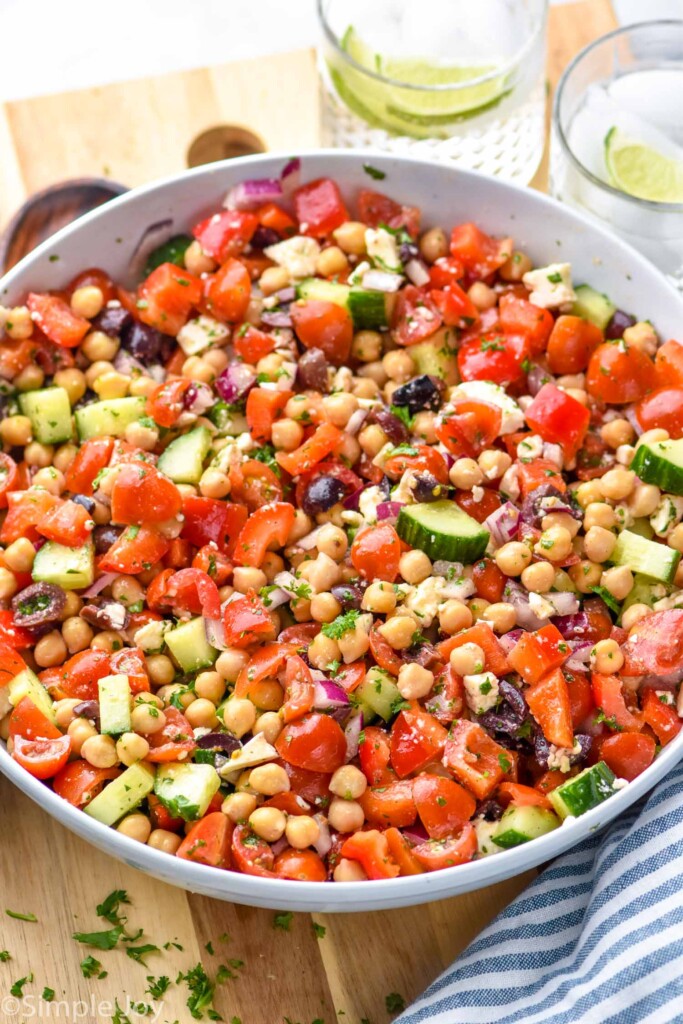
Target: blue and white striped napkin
(596, 939)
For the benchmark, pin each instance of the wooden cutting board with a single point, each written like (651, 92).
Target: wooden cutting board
(134, 132)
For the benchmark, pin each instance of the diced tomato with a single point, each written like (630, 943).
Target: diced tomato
(208, 520)
(376, 552)
(79, 782)
(374, 754)
(325, 440)
(351, 676)
(628, 754)
(580, 698)
(521, 796)
(264, 662)
(401, 851)
(175, 742)
(538, 653)
(130, 661)
(571, 344)
(166, 402)
(138, 548)
(548, 701)
(226, 233)
(78, 676)
(13, 636)
(11, 663)
(319, 207)
(142, 495)
(262, 409)
(550, 780)
(445, 271)
(274, 217)
(9, 477)
(609, 698)
(661, 717)
(300, 866)
(315, 742)
(469, 428)
(489, 580)
(68, 523)
(662, 409)
(618, 374)
(310, 786)
(214, 563)
(42, 758)
(656, 648)
(446, 700)
(480, 507)
(455, 306)
(415, 317)
(376, 209)
(251, 344)
(383, 653)
(479, 253)
(519, 316)
(167, 296)
(227, 293)
(390, 804)
(299, 690)
(482, 635)
(420, 458)
(25, 509)
(443, 805)
(371, 850)
(531, 475)
(270, 524)
(245, 620)
(669, 364)
(29, 721)
(254, 484)
(56, 320)
(324, 325)
(91, 459)
(437, 854)
(250, 854)
(494, 356)
(477, 761)
(416, 739)
(192, 590)
(208, 841)
(558, 418)
(15, 356)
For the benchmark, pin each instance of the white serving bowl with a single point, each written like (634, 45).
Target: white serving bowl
(549, 232)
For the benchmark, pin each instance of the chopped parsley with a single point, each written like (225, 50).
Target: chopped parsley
(555, 278)
(92, 968)
(402, 413)
(374, 172)
(283, 921)
(201, 992)
(48, 994)
(394, 1002)
(21, 917)
(342, 624)
(319, 930)
(100, 940)
(266, 455)
(4, 956)
(140, 952)
(157, 986)
(17, 989)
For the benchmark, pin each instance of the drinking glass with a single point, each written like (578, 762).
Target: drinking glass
(440, 79)
(629, 82)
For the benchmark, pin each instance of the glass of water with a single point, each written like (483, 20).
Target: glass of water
(440, 79)
(617, 138)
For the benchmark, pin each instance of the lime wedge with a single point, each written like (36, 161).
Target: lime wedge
(408, 110)
(641, 171)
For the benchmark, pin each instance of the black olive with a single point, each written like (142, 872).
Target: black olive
(618, 324)
(145, 343)
(83, 499)
(89, 709)
(264, 237)
(38, 604)
(219, 741)
(393, 427)
(420, 393)
(107, 615)
(349, 595)
(322, 493)
(104, 537)
(312, 371)
(408, 251)
(112, 320)
(428, 488)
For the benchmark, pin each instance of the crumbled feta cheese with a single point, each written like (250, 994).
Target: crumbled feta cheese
(620, 784)
(458, 589)
(624, 516)
(481, 691)
(551, 286)
(509, 483)
(298, 255)
(530, 448)
(484, 830)
(343, 379)
(425, 599)
(553, 453)
(382, 249)
(255, 751)
(665, 696)
(150, 637)
(624, 454)
(667, 515)
(405, 491)
(558, 758)
(477, 493)
(540, 606)
(201, 333)
(368, 502)
(512, 417)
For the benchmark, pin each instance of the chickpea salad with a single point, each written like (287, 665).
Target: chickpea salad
(341, 548)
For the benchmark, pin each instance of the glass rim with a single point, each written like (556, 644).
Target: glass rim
(623, 30)
(504, 69)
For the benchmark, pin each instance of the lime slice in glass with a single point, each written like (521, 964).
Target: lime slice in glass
(641, 171)
(421, 112)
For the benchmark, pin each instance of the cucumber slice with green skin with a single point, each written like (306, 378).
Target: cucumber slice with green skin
(660, 463)
(593, 305)
(437, 357)
(644, 591)
(189, 646)
(114, 700)
(658, 561)
(522, 824)
(68, 568)
(27, 684)
(642, 527)
(123, 794)
(584, 792)
(186, 790)
(380, 693)
(370, 310)
(109, 418)
(183, 460)
(172, 251)
(49, 411)
(443, 531)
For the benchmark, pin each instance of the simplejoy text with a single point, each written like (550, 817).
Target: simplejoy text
(95, 1011)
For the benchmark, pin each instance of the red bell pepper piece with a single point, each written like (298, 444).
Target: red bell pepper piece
(320, 444)
(548, 702)
(56, 320)
(262, 409)
(558, 418)
(662, 718)
(371, 850)
(536, 654)
(477, 761)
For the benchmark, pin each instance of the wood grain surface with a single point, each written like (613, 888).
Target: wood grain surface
(133, 132)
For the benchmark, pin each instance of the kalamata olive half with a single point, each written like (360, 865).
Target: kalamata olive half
(89, 709)
(618, 324)
(112, 320)
(37, 604)
(83, 499)
(107, 615)
(393, 427)
(105, 536)
(428, 488)
(322, 493)
(420, 393)
(312, 371)
(349, 595)
(146, 343)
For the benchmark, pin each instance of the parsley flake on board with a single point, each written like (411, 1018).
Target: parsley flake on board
(283, 920)
(21, 917)
(374, 172)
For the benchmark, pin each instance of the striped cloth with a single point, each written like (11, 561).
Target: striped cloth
(596, 939)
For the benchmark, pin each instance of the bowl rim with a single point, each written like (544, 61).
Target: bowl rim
(352, 896)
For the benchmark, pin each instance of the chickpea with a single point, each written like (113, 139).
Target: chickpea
(72, 605)
(634, 614)
(493, 463)
(100, 751)
(300, 608)
(589, 493)
(617, 432)
(19, 556)
(238, 806)
(304, 407)
(399, 631)
(345, 815)
(482, 296)
(539, 577)
(644, 500)
(454, 616)
(501, 616)
(585, 575)
(64, 456)
(162, 839)
(238, 716)
(147, 719)
(563, 519)
(619, 581)
(16, 431)
(148, 698)
(652, 436)
(324, 608)
(372, 439)
(50, 650)
(424, 426)
(323, 651)
(64, 711)
(39, 455)
(142, 386)
(301, 831)
(399, 365)
(8, 584)
(246, 578)
(339, 408)
(350, 237)
(515, 267)
(201, 714)
(30, 378)
(131, 747)
(230, 663)
(160, 668)
(142, 436)
(269, 724)
(98, 346)
(349, 871)
(675, 538)
(433, 245)
(348, 782)
(512, 558)
(333, 542)
(643, 336)
(353, 644)
(77, 634)
(108, 640)
(87, 301)
(414, 681)
(269, 779)
(136, 826)
(287, 434)
(366, 346)
(331, 261)
(322, 572)
(599, 513)
(617, 483)
(268, 822)
(301, 526)
(19, 325)
(79, 731)
(197, 261)
(554, 544)
(364, 388)
(606, 657)
(467, 660)
(379, 597)
(465, 474)
(196, 369)
(50, 479)
(599, 544)
(415, 566)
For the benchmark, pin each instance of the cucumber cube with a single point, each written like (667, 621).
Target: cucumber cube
(49, 411)
(521, 824)
(68, 568)
(26, 684)
(186, 790)
(585, 791)
(114, 694)
(183, 460)
(109, 418)
(189, 646)
(123, 794)
(379, 693)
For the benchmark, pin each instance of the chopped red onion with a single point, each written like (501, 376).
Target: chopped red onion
(382, 281)
(417, 832)
(564, 602)
(519, 599)
(574, 626)
(630, 414)
(251, 194)
(280, 845)
(215, 633)
(417, 272)
(356, 421)
(537, 377)
(310, 540)
(323, 844)
(127, 364)
(503, 524)
(202, 398)
(329, 695)
(509, 640)
(235, 382)
(276, 318)
(580, 656)
(351, 503)
(287, 582)
(389, 509)
(290, 177)
(101, 584)
(287, 294)
(352, 733)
